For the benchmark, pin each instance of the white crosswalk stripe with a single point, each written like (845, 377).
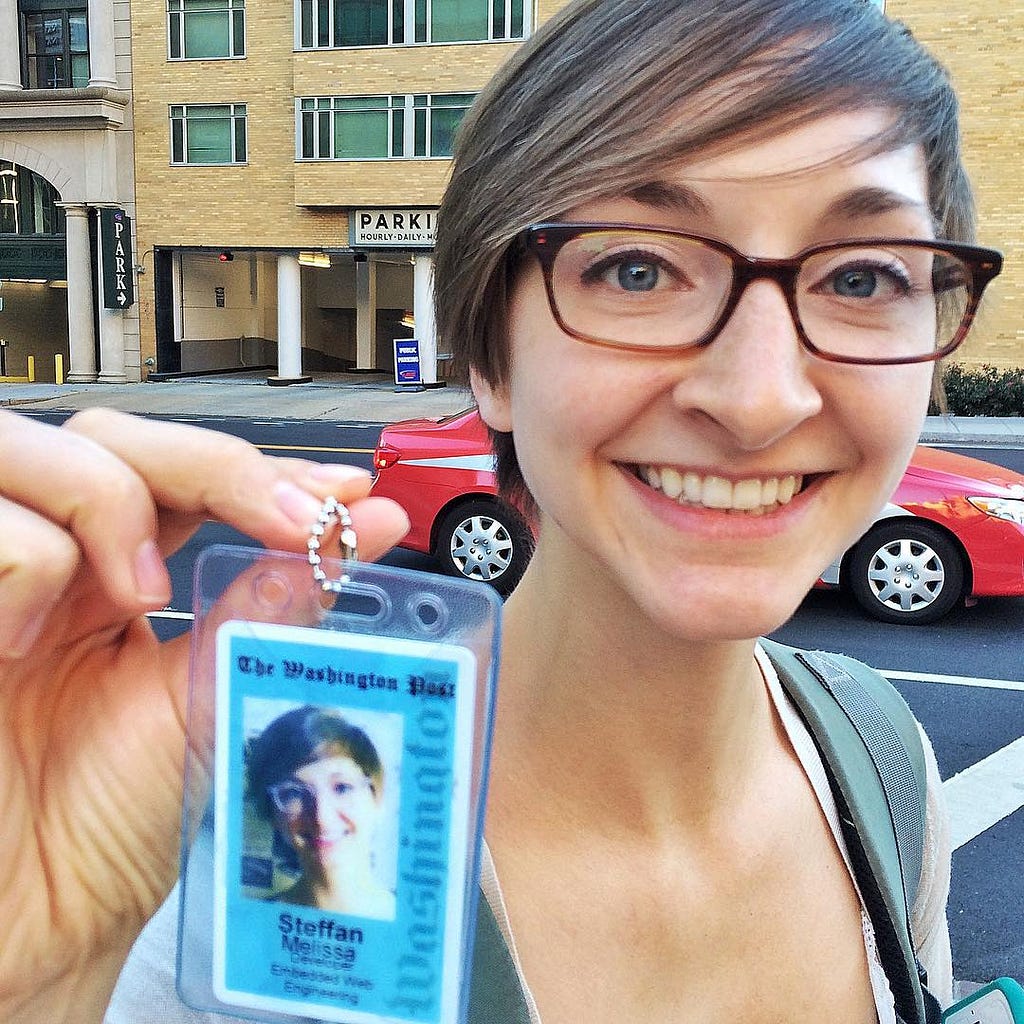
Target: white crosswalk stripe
(986, 792)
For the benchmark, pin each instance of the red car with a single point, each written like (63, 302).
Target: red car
(953, 530)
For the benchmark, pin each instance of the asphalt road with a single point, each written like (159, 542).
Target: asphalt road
(963, 677)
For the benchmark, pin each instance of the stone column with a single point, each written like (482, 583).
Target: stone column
(366, 314)
(10, 53)
(101, 44)
(81, 333)
(289, 322)
(423, 315)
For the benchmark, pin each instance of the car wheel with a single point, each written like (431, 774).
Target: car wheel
(486, 541)
(906, 572)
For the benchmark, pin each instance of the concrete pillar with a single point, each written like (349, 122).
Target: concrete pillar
(111, 323)
(423, 314)
(366, 315)
(81, 333)
(176, 312)
(289, 322)
(10, 53)
(101, 44)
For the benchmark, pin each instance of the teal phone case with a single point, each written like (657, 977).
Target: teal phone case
(1007, 987)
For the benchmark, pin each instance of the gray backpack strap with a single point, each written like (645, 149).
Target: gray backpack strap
(870, 745)
(495, 993)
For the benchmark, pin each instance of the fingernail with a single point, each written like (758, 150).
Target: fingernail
(22, 643)
(298, 505)
(333, 473)
(152, 584)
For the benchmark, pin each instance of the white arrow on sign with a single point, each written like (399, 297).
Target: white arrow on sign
(121, 297)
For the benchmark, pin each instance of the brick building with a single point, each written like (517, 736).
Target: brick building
(982, 44)
(290, 156)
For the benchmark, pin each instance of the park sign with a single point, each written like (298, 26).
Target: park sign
(392, 229)
(116, 247)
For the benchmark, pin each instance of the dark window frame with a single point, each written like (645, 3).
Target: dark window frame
(31, 77)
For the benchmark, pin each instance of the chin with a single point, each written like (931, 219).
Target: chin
(717, 617)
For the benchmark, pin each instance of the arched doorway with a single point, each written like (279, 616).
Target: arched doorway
(33, 274)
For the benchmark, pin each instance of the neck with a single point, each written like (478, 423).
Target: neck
(610, 722)
(335, 888)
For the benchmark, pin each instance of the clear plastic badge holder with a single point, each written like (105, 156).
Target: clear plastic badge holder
(339, 732)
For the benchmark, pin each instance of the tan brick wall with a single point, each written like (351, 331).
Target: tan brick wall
(275, 201)
(982, 44)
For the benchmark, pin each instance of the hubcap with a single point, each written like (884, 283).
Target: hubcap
(906, 575)
(481, 548)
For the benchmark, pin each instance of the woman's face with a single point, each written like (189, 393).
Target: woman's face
(591, 423)
(331, 812)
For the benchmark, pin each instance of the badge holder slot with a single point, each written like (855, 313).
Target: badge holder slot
(340, 719)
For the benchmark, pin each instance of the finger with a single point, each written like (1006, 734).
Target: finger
(93, 496)
(37, 559)
(206, 474)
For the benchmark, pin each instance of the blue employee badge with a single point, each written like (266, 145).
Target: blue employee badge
(343, 800)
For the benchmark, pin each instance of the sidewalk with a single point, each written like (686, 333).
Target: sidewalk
(363, 398)
(344, 398)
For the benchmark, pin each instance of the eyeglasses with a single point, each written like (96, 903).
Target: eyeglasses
(294, 799)
(872, 301)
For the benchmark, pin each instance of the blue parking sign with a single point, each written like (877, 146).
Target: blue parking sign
(407, 361)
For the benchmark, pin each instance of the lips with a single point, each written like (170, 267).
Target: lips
(752, 496)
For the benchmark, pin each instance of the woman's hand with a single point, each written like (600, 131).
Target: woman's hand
(92, 707)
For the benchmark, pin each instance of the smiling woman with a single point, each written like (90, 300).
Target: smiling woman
(718, 233)
(319, 781)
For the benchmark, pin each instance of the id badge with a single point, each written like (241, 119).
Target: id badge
(335, 790)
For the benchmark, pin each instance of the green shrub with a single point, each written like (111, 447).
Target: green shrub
(982, 391)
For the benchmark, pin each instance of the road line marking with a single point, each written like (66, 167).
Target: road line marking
(312, 448)
(986, 792)
(934, 677)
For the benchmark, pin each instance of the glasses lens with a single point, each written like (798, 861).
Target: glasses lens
(295, 798)
(883, 301)
(639, 288)
(291, 797)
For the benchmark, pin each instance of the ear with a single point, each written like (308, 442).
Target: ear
(493, 402)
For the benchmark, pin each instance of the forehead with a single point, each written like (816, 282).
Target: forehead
(824, 176)
(829, 141)
(329, 767)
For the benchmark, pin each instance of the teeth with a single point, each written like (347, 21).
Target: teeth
(716, 493)
(753, 497)
(671, 483)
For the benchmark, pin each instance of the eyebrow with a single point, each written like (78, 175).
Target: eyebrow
(665, 195)
(871, 201)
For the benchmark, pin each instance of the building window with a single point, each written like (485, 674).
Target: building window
(379, 127)
(199, 29)
(211, 133)
(55, 45)
(28, 203)
(325, 24)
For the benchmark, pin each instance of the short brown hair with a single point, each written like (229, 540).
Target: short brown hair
(609, 92)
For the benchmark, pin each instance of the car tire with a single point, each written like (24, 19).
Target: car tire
(906, 572)
(484, 540)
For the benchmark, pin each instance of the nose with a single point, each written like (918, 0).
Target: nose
(755, 381)
(327, 813)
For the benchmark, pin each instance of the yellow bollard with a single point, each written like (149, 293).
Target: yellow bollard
(58, 368)
(31, 369)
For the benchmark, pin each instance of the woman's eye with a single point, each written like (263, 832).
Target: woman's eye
(633, 272)
(868, 282)
(343, 788)
(856, 284)
(637, 276)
